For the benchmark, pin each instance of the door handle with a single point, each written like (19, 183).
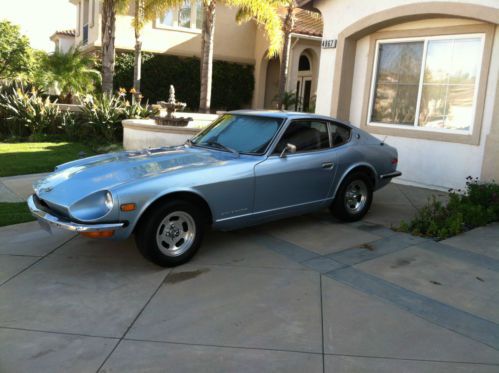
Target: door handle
(327, 165)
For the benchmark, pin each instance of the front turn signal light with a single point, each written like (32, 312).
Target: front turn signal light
(128, 207)
(98, 234)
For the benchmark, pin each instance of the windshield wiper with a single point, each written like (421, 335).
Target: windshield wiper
(222, 146)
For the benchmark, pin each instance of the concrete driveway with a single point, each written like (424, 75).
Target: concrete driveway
(304, 294)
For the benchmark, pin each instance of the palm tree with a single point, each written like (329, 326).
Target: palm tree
(287, 24)
(287, 27)
(138, 24)
(144, 11)
(68, 74)
(108, 34)
(263, 11)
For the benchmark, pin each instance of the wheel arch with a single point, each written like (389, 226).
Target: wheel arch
(183, 195)
(359, 167)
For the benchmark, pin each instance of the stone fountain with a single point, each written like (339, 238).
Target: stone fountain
(171, 106)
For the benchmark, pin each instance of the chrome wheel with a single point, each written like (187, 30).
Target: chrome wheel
(356, 196)
(176, 233)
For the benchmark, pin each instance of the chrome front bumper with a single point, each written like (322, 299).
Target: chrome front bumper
(67, 224)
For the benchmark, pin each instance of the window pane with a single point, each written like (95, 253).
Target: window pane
(184, 14)
(199, 14)
(246, 134)
(167, 19)
(396, 91)
(465, 61)
(303, 63)
(460, 107)
(438, 60)
(410, 63)
(388, 63)
(449, 83)
(339, 134)
(432, 109)
(405, 104)
(383, 103)
(305, 135)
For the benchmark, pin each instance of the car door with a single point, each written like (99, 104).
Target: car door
(300, 178)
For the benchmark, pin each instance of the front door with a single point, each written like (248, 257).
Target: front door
(299, 179)
(303, 93)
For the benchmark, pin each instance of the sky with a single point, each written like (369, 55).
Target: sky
(39, 19)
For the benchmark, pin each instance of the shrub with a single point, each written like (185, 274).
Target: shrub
(68, 74)
(101, 117)
(478, 205)
(233, 83)
(15, 52)
(27, 113)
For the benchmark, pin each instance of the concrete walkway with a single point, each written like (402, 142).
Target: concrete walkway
(304, 294)
(17, 188)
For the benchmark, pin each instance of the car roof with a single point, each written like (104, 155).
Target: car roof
(285, 115)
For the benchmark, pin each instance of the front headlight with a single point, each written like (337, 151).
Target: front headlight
(93, 207)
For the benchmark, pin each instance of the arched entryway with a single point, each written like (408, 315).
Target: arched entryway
(303, 84)
(272, 83)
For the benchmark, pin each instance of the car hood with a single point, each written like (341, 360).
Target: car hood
(75, 180)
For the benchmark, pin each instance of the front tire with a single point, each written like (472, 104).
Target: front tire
(171, 233)
(354, 197)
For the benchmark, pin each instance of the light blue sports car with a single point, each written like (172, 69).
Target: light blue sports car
(246, 168)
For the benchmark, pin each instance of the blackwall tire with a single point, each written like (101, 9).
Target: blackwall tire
(171, 233)
(354, 197)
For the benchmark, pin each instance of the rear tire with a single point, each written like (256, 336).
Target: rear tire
(171, 233)
(354, 197)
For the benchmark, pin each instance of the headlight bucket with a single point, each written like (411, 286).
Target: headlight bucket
(93, 207)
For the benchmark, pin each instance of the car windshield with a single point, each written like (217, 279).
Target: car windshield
(245, 134)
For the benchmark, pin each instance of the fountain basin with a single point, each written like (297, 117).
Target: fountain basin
(146, 133)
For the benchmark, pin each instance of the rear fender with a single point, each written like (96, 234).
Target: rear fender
(373, 174)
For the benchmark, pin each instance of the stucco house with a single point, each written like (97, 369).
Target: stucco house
(178, 32)
(422, 75)
(63, 40)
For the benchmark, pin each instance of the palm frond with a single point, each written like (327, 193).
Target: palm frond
(157, 8)
(266, 14)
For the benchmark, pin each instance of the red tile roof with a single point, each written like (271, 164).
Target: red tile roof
(66, 32)
(307, 23)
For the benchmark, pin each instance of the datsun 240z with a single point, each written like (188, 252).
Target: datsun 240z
(246, 168)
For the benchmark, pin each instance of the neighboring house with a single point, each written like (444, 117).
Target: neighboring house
(178, 32)
(63, 40)
(422, 75)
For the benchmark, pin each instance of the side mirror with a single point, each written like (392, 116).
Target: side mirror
(288, 148)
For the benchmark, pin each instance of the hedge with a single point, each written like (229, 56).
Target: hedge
(233, 83)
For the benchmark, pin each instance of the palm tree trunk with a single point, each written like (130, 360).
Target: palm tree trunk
(137, 67)
(108, 36)
(207, 55)
(283, 70)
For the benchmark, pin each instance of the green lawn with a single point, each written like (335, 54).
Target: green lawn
(14, 213)
(33, 157)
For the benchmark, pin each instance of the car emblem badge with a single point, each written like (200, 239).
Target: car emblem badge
(46, 190)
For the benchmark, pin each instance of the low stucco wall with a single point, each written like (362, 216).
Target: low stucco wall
(145, 133)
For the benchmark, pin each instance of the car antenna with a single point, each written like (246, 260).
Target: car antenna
(383, 141)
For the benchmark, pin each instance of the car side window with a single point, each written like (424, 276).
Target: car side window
(306, 135)
(340, 134)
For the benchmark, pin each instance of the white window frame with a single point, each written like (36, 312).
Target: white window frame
(176, 27)
(425, 40)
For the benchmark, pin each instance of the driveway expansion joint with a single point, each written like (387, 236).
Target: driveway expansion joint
(38, 260)
(441, 314)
